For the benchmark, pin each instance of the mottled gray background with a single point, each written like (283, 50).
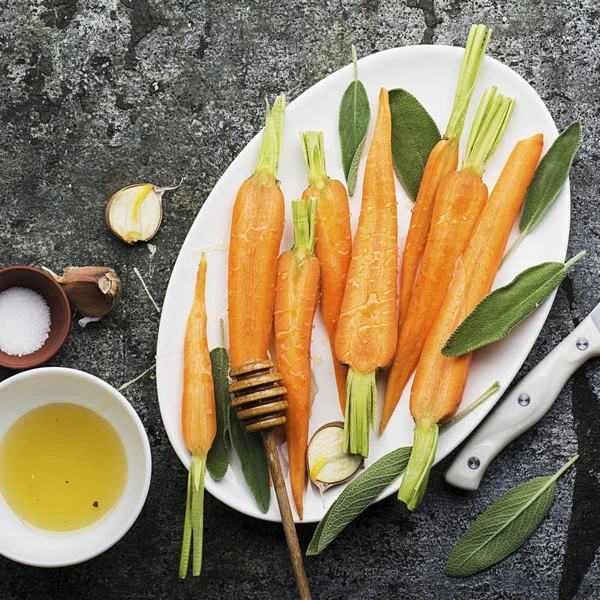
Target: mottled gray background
(95, 95)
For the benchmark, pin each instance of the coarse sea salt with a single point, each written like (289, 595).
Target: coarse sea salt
(24, 321)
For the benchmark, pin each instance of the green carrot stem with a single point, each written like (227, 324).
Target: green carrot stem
(490, 123)
(414, 483)
(361, 399)
(193, 527)
(270, 146)
(477, 43)
(304, 214)
(186, 544)
(199, 471)
(314, 156)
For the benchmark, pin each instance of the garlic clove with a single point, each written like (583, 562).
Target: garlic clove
(327, 462)
(135, 213)
(93, 291)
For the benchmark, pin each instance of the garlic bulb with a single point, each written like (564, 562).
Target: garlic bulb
(135, 213)
(328, 464)
(93, 291)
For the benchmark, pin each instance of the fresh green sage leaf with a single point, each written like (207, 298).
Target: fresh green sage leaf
(218, 456)
(353, 126)
(253, 458)
(357, 496)
(504, 527)
(365, 489)
(495, 316)
(548, 180)
(550, 176)
(414, 135)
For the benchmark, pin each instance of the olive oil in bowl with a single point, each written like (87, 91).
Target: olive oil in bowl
(62, 467)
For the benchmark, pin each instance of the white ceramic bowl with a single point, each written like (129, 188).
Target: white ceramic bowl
(24, 392)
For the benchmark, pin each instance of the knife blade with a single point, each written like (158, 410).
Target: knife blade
(527, 403)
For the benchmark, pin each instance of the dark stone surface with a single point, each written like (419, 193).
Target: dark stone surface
(97, 95)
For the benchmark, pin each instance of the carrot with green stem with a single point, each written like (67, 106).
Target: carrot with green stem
(443, 158)
(333, 245)
(458, 203)
(296, 298)
(199, 423)
(256, 231)
(440, 381)
(368, 325)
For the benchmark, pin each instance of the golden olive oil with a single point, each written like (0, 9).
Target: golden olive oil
(62, 467)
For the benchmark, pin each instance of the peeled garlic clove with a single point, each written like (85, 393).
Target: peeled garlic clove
(328, 464)
(135, 213)
(93, 291)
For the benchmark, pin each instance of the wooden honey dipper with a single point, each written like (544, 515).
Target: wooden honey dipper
(258, 399)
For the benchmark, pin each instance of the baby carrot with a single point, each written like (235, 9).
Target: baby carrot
(198, 420)
(443, 158)
(256, 231)
(458, 203)
(368, 328)
(296, 297)
(333, 245)
(439, 381)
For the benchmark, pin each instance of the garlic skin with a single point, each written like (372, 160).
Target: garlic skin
(327, 462)
(134, 213)
(93, 291)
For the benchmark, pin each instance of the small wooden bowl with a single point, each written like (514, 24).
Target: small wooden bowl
(60, 314)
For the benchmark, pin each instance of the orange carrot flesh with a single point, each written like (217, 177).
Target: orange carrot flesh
(198, 415)
(367, 329)
(439, 381)
(296, 298)
(333, 245)
(443, 158)
(256, 232)
(198, 420)
(459, 202)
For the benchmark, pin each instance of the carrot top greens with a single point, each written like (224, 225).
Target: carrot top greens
(270, 146)
(477, 43)
(491, 120)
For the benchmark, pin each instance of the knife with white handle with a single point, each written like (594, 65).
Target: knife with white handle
(528, 402)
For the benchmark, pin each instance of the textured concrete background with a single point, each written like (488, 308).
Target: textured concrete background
(96, 95)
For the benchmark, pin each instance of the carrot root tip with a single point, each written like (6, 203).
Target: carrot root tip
(414, 483)
(361, 399)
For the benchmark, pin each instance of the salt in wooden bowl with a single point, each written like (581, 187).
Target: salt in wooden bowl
(60, 314)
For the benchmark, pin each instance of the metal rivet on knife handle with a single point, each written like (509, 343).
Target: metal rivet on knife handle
(473, 463)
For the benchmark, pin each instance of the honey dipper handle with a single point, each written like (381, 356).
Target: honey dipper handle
(287, 519)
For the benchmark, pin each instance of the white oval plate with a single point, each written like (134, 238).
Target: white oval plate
(430, 73)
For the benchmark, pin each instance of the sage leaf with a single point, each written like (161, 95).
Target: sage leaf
(218, 456)
(494, 317)
(414, 135)
(366, 488)
(548, 180)
(504, 527)
(353, 126)
(357, 496)
(253, 458)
